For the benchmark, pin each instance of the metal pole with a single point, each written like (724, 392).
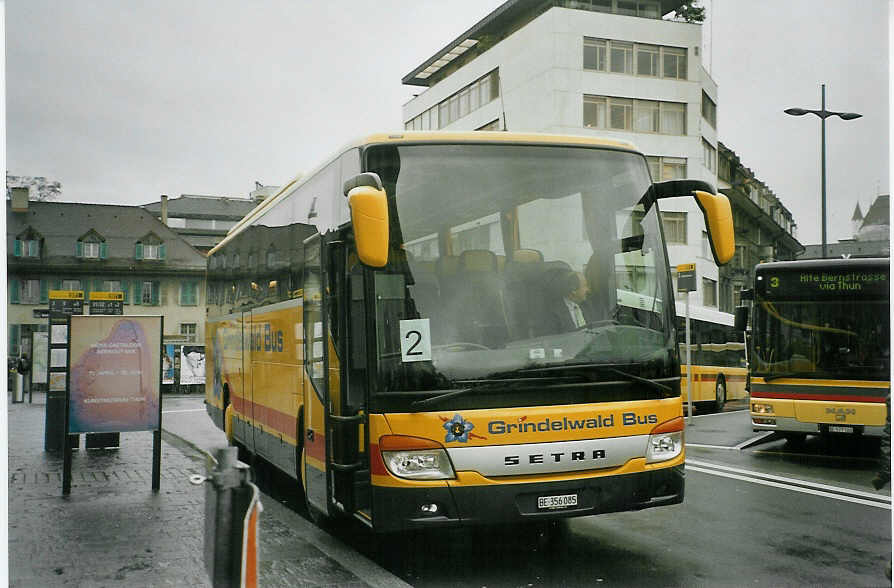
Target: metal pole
(688, 367)
(823, 143)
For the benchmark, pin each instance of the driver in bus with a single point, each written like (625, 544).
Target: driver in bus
(565, 309)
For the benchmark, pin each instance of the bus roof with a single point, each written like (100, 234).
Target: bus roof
(408, 137)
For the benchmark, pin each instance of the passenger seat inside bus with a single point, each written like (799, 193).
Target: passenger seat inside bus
(520, 281)
(479, 304)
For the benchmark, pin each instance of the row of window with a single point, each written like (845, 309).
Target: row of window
(92, 246)
(625, 57)
(630, 114)
(187, 331)
(642, 8)
(139, 292)
(219, 262)
(469, 99)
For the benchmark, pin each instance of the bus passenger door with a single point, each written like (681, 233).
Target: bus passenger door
(333, 463)
(314, 455)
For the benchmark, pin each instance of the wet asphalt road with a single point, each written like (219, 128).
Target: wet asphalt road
(769, 514)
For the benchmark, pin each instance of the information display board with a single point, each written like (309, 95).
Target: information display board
(115, 374)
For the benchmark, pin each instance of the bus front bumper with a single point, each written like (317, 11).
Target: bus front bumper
(761, 422)
(402, 509)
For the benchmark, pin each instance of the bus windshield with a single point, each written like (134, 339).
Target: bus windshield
(822, 324)
(515, 262)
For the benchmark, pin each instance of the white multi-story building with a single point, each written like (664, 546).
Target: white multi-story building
(611, 68)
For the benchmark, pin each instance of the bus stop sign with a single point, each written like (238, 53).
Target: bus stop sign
(686, 277)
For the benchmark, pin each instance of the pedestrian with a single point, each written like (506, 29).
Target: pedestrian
(883, 477)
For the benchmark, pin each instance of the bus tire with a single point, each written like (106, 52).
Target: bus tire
(719, 394)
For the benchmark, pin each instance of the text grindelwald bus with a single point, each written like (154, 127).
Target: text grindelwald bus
(821, 354)
(438, 329)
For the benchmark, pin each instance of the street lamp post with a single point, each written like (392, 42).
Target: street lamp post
(823, 114)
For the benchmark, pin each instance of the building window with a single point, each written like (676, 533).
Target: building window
(468, 99)
(618, 57)
(27, 244)
(673, 118)
(621, 55)
(605, 112)
(647, 60)
(674, 224)
(709, 292)
(72, 285)
(149, 247)
(674, 62)
(706, 245)
(146, 297)
(30, 292)
(710, 156)
(271, 257)
(112, 286)
(595, 54)
(709, 110)
(645, 116)
(189, 293)
(188, 331)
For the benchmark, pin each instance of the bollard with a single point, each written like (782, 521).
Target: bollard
(232, 506)
(18, 394)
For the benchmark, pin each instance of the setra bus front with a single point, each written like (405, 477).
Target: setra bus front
(510, 352)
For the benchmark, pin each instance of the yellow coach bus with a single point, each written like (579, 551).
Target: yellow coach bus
(431, 330)
(719, 368)
(821, 347)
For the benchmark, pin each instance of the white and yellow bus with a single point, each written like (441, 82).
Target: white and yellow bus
(719, 368)
(821, 347)
(391, 331)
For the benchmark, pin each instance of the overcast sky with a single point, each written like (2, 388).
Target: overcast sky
(122, 101)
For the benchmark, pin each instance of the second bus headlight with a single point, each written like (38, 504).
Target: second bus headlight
(665, 441)
(425, 464)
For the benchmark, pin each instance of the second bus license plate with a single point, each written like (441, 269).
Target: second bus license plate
(562, 501)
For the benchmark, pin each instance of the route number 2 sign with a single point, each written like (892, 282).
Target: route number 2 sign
(415, 340)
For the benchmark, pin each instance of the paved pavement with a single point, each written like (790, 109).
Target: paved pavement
(112, 530)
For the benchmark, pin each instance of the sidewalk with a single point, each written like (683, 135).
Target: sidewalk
(112, 530)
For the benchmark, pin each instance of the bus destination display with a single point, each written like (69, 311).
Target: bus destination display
(824, 283)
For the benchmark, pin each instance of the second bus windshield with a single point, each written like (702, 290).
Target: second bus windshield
(507, 257)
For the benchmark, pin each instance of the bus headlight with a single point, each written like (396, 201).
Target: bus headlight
(665, 441)
(761, 408)
(415, 458)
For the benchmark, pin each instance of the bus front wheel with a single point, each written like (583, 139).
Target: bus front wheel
(719, 394)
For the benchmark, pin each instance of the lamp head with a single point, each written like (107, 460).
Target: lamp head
(795, 111)
(849, 115)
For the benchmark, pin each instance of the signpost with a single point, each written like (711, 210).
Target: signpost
(686, 282)
(114, 381)
(62, 304)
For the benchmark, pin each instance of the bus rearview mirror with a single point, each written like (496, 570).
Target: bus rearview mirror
(715, 208)
(369, 216)
(741, 318)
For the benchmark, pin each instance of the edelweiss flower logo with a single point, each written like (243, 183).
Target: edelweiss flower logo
(458, 429)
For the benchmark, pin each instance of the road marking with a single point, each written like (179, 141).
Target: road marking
(835, 492)
(701, 446)
(189, 410)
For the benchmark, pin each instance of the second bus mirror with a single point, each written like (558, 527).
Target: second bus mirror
(369, 216)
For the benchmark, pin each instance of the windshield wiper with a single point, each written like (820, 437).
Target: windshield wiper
(497, 385)
(606, 367)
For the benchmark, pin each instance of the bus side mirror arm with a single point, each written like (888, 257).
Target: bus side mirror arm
(369, 216)
(715, 208)
(741, 318)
